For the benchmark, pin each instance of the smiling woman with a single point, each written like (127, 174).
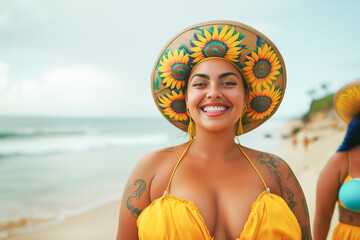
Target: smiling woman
(215, 80)
(215, 96)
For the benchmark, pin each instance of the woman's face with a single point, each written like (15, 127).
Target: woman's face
(215, 95)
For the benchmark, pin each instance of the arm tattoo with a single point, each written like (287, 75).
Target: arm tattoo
(351, 218)
(290, 174)
(271, 162)
(305, 208)
(290, 198)
(136, 169)
(305, 233)
(293, 178)
(137, 194)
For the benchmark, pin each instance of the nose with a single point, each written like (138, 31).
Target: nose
(214, 92)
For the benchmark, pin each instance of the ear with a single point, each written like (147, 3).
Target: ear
(185, 97)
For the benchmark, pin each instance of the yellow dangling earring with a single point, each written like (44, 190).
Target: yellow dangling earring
(240, 130)
(191, 127)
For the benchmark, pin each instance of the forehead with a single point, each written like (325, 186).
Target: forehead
(215, 67)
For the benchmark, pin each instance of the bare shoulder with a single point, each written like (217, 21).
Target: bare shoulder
(156, 167)
(156, 159)
(262, 155)
(146, 181)
(337, 166)
(338, 160)
(275, 164)
(274, 170)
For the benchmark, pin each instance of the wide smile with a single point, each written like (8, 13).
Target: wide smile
(214, 110)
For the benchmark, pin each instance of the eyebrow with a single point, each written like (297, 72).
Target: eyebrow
(220, 76)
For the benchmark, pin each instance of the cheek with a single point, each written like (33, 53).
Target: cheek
(237, 97)
(194, 98)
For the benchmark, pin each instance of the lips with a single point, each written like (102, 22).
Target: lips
(214, 109)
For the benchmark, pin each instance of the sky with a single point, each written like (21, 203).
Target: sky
(93, 58)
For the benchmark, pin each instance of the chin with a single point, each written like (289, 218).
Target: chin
(216, 128)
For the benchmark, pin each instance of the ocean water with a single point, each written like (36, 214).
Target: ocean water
(54, 168)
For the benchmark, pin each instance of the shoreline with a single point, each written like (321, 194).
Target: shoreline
(31, 226)
(100, 222)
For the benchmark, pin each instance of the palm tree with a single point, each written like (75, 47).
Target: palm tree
(312, 93)
(325, 87)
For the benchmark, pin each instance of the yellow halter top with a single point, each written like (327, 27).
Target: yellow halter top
(171, 217)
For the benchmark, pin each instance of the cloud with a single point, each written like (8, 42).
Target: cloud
(76, 91)
(3, 75)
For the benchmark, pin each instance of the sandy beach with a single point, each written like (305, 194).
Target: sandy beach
(101, 223)
(307, 162)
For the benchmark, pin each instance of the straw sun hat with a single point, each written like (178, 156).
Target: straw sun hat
(249, 50)
(347, 101)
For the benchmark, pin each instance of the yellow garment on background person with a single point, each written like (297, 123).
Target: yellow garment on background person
(346, 231)
(171, 217)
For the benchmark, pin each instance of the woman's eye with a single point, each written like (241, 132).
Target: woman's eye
(198, 85)
(229, 83)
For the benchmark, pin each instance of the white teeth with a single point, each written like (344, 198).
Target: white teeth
(212, 109)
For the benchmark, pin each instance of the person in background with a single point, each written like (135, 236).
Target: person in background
(294, 140)
(215, 80)
(339, 181)
(306, 142)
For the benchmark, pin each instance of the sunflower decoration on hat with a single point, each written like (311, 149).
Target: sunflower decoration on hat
(251, 52)
(347, 101)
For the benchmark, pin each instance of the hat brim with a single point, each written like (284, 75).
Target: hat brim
(257, 57)
(347, 101)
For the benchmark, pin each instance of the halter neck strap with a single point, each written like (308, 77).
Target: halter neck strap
(246, 156)
(185, 151)
(177, 164)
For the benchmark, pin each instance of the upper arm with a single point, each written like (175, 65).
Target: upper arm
(289, 189)
(327, 188)
(293, 195)
(326, 195)
(136, 197)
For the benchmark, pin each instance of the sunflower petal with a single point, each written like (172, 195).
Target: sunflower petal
(223, 32)
(165, 74)
(199, 44)
(229, 34)
(207, 34)
(216, 33)
(201, 38)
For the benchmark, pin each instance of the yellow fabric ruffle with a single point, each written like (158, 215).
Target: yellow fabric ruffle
(346, 231)
(170, 217)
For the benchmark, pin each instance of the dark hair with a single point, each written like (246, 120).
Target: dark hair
(352, 136)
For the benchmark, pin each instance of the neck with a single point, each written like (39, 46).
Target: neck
(215, 145)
